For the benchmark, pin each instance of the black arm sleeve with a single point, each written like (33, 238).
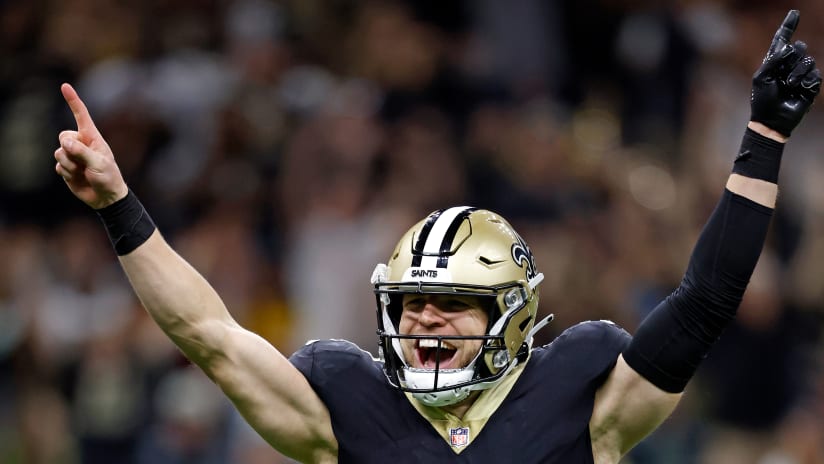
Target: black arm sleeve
(677, 335)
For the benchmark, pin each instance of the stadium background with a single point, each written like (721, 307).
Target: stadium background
(282, 147)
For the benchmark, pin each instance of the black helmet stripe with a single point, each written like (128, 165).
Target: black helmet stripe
(436, 237)
(417, 247)
(449, 236)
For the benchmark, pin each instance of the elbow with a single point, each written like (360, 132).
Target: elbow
(202, 343)
(717, 298)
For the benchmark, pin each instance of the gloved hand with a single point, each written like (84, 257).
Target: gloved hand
(784, 87)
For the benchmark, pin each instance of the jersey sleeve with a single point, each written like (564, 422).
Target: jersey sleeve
(324, 361)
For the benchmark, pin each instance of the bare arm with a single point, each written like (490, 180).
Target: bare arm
(627, 408)
(267, 390)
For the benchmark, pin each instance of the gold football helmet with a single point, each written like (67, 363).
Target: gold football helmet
(460, 251)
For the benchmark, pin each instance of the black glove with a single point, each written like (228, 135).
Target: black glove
(784, 87)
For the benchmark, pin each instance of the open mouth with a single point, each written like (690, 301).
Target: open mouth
(429, 357)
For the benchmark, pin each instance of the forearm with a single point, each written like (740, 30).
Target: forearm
(178, 298)
(673, 340)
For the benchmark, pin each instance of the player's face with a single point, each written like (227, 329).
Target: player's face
(441, 315)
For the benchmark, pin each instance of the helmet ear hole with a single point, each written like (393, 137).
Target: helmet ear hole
(524, 326)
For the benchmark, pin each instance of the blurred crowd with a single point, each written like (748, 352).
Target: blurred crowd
(284, 146)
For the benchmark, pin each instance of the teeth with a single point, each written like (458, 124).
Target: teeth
(433, 343)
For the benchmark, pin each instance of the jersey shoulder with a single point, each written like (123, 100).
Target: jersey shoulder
(323, 359)
(588, 349)
(596, 332)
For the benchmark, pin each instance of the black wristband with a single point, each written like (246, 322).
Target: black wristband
(127, 223)
(759, 157)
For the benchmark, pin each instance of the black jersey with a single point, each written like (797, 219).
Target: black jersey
(540, 415)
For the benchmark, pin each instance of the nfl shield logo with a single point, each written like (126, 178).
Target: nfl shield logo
(459, 436)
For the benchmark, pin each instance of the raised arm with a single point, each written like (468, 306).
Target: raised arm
(649, 377)
(269, 392)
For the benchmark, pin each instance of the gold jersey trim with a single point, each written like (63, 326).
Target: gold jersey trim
(476, 416)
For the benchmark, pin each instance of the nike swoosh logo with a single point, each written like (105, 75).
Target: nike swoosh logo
(743, 155)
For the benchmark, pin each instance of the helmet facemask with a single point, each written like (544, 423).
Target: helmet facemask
(479, 255)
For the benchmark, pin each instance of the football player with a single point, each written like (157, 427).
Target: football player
(459, 379)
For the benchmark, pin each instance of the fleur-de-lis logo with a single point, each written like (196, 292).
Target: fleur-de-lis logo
(523, 257)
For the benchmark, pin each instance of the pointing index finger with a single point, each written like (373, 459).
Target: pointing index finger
(785, 31)
(85, 126)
